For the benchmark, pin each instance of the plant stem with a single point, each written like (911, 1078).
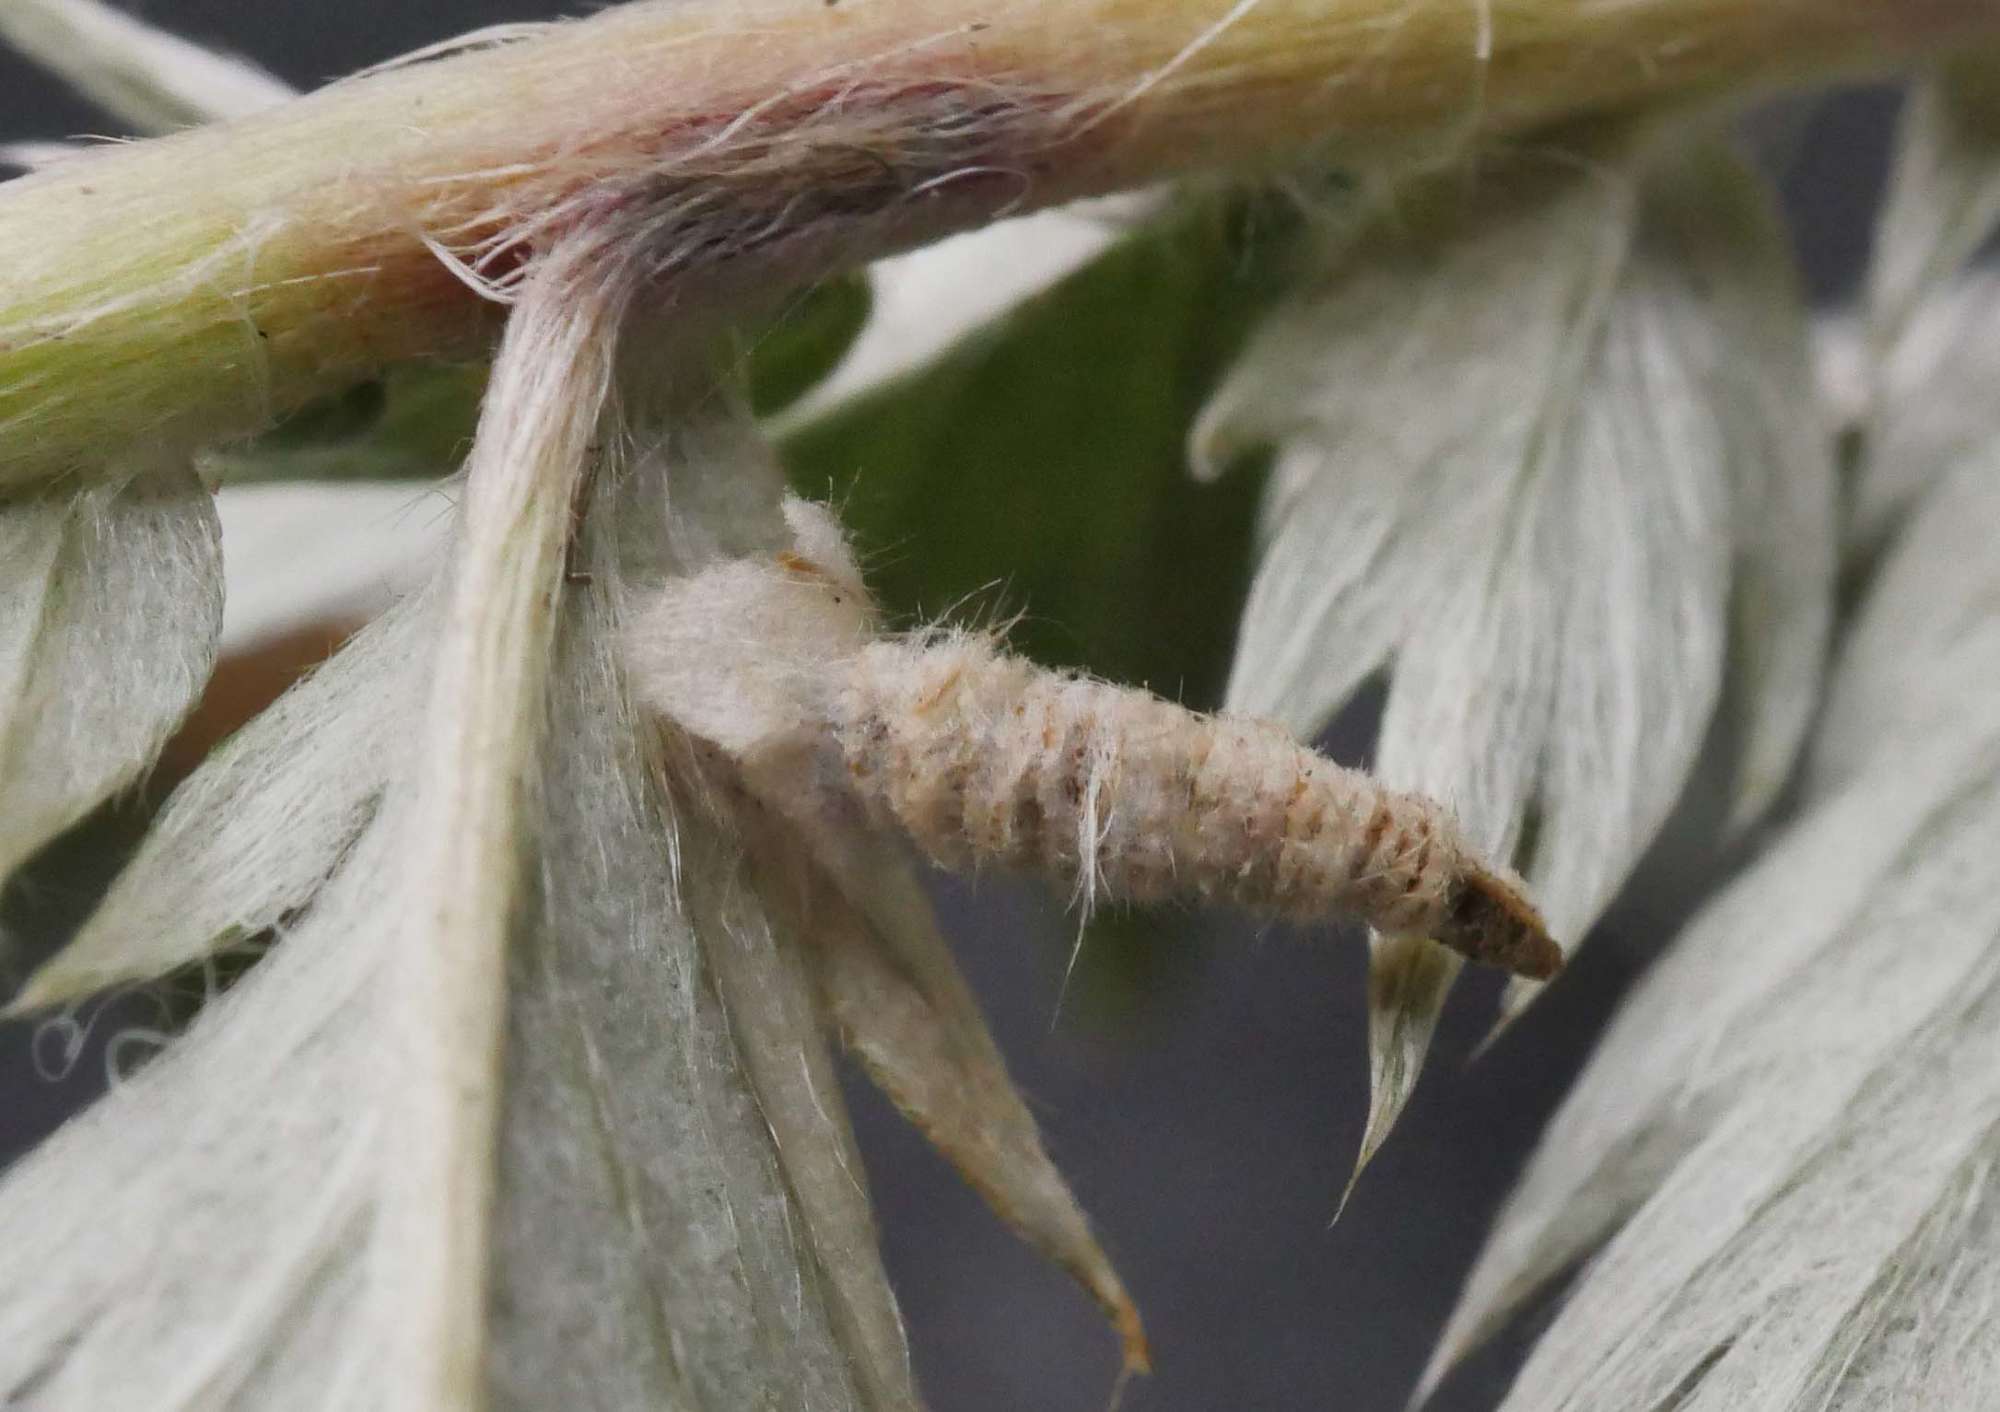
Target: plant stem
(192, 288)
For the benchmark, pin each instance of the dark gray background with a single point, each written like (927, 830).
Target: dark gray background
(1208, 1119)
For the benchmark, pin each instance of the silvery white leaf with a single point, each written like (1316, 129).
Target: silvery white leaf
(196, 1237)
(655, 1240)
(681, 1204)
(663, 1233)
(1932, 387)
(1932, 357)
(1712, 1019)
(262, 824)
(1923, 656)
(1518, 459)
(893, 991)
(1943, 201)
(143, 76)
(1763, 380)
(1796, 1107)
(1919, 1336)
(1820, 1129)
(304, 554)
(1775, 1318)
(110, 604)
(1373, 494)
(202, 1236)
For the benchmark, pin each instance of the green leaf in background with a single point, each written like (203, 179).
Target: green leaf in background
(413, 422)
(1040, 467)
(792, 352)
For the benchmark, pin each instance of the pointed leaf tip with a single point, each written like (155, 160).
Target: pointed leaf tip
(890, 985)
(1408, 980)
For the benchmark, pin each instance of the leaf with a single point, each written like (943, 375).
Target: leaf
(143, 76)
(1342, 571)
(1798, 1099)
(1795, 1111)
(197, 1236)
(1784, 482)
(1775, 1107)
(311, 554)
(656, 1228)
(664, 1222)
(253, 835)
(1699, 1027)
(1942, 206)
(646, 1237)
(1921, 662)
(794, 352)
(1917, 1338)
(1517, 457)
(1930, 389)
(1943, 201)
(477, 739)
(890, 986)
(110, 605)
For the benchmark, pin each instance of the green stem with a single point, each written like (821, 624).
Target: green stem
(192, 288)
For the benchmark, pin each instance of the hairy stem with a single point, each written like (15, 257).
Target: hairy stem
(193, 287)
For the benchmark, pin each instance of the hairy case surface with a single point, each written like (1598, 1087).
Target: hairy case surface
(983, 759)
